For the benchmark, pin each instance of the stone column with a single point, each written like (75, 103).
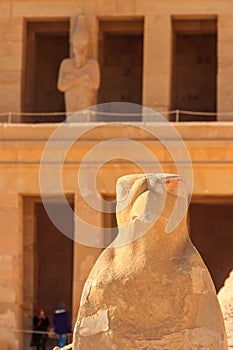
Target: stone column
(11, 283)
(225, 66)
(157, 62)
(29, 259)
(11, 42)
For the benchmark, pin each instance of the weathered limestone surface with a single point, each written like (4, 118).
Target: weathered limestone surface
(11, 36)
(157, 37)
(149, 289)
(210, 145)
(225, 297)
(10, 270)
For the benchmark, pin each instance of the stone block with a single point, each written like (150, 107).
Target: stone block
(209, 183)
(8, 155)
(11, 28)
(126, 7)
(7, 266)
(27, 132)
(225, 21)
(225, 69)
(5, 9)
(225, 105)
(225, 34)
(156, 93)
(179, 8)
(10, 55)
(45, 8)
(10, 77)
(104, 7)
(157, 51)
(28, 179)
(224, 88)
(8, 200)
(4, 346)
(9, 220)
(8, 320)
(157, 60)
(225, 49)
(8, 294)
(213, 152)
(10, 94)
(89, 7)
(8, 243)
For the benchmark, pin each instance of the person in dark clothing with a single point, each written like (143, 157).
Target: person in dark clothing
(40, 324)
(61, 324)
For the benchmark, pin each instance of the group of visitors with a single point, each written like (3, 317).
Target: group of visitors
(41, 327)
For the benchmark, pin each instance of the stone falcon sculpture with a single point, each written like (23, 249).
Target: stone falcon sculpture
(150, 289)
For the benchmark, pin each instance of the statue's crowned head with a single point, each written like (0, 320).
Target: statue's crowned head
(80, 41)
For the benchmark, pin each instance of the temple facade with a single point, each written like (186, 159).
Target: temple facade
(174, 57)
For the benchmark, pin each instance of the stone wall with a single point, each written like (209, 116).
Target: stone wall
(11, 60)
(11, 258)
(211, 150)
(21, 146)
(157, 58)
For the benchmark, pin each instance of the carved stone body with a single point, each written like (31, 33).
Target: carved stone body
(149, 291)
(80, 85)
(225, 297)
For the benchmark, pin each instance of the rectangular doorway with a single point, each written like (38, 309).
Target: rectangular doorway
(121, 61)
(54, 263)
(109, 219)
(211, 232)
(194, 75)
(48, 261)
(46, 45)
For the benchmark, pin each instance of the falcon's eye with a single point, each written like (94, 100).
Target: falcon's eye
(122, 190)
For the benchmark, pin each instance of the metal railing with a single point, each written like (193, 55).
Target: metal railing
(50, 334)
(67, 347)
(90, 115)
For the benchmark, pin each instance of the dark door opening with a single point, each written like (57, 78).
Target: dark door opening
(47, 44)
(211, 232)
(53, 263)
(194, 77)
(121, 61)
(109, 220)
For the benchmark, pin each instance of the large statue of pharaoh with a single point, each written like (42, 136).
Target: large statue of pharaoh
(79, 76)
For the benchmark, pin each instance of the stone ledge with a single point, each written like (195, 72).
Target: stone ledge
(4, 346)
(102, 131)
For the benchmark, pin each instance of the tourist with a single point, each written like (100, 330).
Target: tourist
(40, 325)
(61, 324)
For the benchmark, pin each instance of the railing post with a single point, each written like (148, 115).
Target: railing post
(67, 347)
(9, 117)
(177, 115)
